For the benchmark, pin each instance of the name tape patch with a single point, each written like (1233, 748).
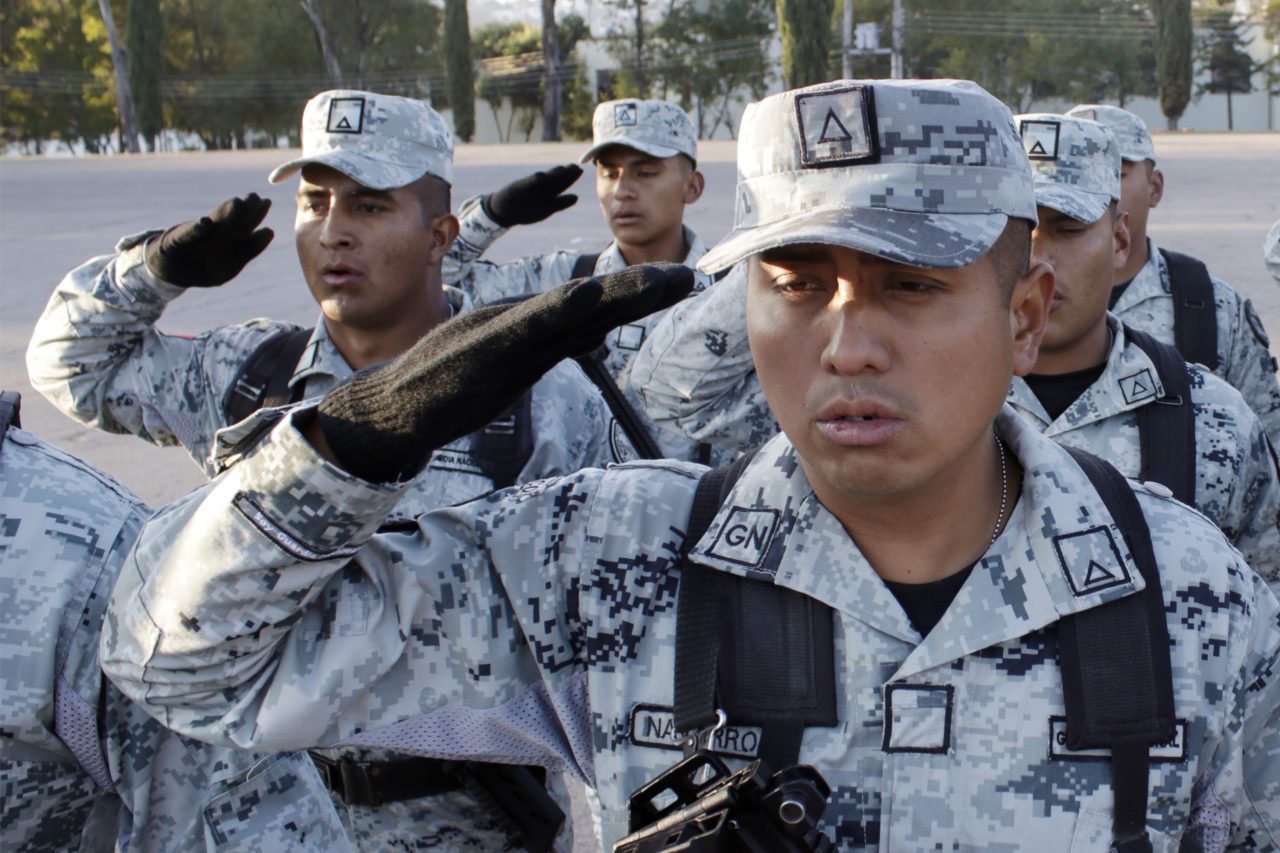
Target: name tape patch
(624, 115)
(452, 460)
(837, 127)
(1170, 751)
(745, 536)
(1138, 386)
(1091, 561)
(1040, 139)
(655, 725)
(346, 115)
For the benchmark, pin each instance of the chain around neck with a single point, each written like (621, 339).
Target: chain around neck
(1004, 489)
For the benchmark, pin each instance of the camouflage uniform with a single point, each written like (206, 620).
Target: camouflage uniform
(82, 767)
(657, 128)
(97, 355)
(1244, 358)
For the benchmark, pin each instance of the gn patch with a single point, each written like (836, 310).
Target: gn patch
(655, 725)
(918, 718)
(1138, 386)
(1170, 751)
(1091, 561)
(346, 115)
(837, 127)
(745, 536)
(1040, 139)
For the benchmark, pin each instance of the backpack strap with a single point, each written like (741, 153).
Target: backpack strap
(502, 447)
(1117, 681)
(592, 364)
(584, 266)
(1167, 426)
(10, 410)
(1195, 321)
(263, 380)
(782, 682)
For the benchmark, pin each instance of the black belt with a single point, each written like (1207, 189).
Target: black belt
(372, 783)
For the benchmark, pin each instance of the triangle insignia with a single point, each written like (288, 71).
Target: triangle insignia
(1040, 138)
(1097, 573)
(343, 124)
(346, 115)
(828, 135)
(1037, 148)
(1091, 561)
(1137, 387)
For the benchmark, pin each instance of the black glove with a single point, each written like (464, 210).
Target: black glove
(532, 198)
(383, 423)
(211, 250)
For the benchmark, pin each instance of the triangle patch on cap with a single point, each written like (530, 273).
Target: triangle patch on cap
(837, 127)
(346, 115)
(1040, 139)
(624, 115)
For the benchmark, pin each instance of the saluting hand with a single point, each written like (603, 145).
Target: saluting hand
(211, 250)
(532, 198)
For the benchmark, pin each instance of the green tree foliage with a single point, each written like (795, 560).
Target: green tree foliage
(713, 56)
(1024, 50)
(805, 27)
(1173, 56)
(57, 75)
(460, 68)
(1221, 52)
(145, 28)
(512, 74)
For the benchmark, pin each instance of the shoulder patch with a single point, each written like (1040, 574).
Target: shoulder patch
(1138, 386)
(1091, 561)
(745, 536)
(1255, 323)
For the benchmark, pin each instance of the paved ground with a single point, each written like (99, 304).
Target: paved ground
(1223, 193)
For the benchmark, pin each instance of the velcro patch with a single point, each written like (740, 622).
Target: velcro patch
(1138, 386)
(1091, 561)
(624, 115)
(1040, 139)
(346, 115)
(745, 536)
(655, 725)
(1170, 751)
(837, 127)
(918, 718)
(629, 337)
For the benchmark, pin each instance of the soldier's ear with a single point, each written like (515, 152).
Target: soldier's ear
(1120, 239)
(443, 230)
(1029, 314)
(694, 186)
(1157, 186)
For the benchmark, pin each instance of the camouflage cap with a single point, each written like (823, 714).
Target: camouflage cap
(924, 172)
(1075, 162)
(1130, 130)
(381, 141)
(658, 128)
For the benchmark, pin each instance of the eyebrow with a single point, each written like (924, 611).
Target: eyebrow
(358, 191)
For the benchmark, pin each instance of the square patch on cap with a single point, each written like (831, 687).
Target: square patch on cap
(1040, 139)
(837, 127)
(346, 115)
(624, 115)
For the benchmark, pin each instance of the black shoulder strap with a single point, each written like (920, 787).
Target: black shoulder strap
(781, 681)
(503, 446)
(10, 409)
(592, 364)
(1117, 681)
(584, 266)
(264, 377)
(1167, 426)
(1195, 320)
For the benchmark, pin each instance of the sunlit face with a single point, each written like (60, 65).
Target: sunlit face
(367, 254)
(1085, 257)
(885, 376)
(643, 197)
(1141, 188)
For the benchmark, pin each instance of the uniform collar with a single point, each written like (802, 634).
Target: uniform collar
(611, 259)
(1060, 552)
(1151, 282)
(1129, 381)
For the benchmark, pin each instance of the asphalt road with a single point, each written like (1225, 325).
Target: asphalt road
(1222, 194)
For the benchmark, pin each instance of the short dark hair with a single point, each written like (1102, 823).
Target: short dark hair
(435, 197)
(1011, 253)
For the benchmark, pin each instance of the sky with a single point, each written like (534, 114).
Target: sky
(505, 11)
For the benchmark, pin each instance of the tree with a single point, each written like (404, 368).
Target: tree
(1173, 56)
(461, 68)
(1221, 52)
(551, 97)
(124, 94)
(805, 26)
(511, 72)
(315, 13)
(629, 45)
(143, 40)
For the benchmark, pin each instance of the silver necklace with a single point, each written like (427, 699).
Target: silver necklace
(1004, 489)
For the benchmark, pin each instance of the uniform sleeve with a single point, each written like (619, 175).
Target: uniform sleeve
(695, 374)
(263, 613)
(1254, 517)
(487, 282)
(1252, 366)
(97, 356)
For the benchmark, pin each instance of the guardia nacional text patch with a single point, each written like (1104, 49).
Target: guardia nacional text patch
(837, 127)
